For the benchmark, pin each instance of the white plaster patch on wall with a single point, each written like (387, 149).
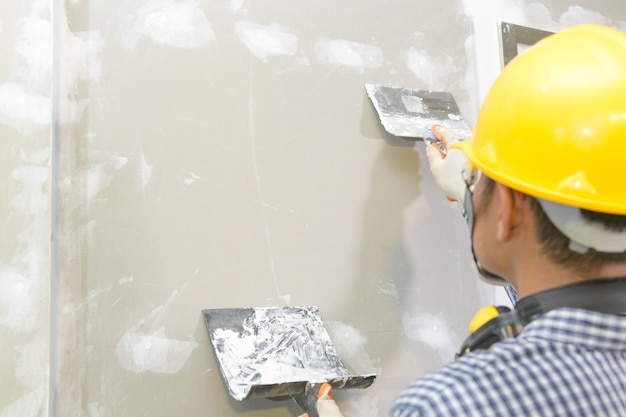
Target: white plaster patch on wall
(25, 111)
(266, 41)
(145, 172)
(433, 73)
(126, 280)
(33, 47)
(22, 291)
(102, 169)
(236, 6)
(575, 15)
(145, 346)
(179, 24)
(139, 352)
(432, 330)
(389, 288)
(345, 53)
(350, 344)
(19, 310)
(538, 15)
(191, 178)
(362, 406)
(31, 404)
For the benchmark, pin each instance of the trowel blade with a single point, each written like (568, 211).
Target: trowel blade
(274, 352)
(405, 112)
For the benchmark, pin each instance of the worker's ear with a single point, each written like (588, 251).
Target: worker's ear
(510, 213)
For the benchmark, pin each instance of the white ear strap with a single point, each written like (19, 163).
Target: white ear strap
(583, 234)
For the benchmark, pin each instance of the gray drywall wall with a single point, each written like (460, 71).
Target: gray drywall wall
(25, 215)
(224, 154)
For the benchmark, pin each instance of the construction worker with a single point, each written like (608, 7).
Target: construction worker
(542, 186)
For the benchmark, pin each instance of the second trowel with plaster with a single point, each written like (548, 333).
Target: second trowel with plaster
(406, 112)
(277, 352)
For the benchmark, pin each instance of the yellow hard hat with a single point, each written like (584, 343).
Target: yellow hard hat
(554, 123)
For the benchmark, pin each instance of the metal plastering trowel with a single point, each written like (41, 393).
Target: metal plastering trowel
(405, 112)
(277, 352)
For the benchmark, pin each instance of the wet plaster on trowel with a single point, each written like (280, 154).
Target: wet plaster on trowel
(272, 347)
(145, 347)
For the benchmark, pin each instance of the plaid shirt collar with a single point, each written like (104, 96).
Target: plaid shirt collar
(584, 328)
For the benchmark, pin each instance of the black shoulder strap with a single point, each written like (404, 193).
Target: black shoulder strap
(602, 295)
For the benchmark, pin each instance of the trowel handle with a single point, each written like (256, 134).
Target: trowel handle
(308, 400)
(438, 141)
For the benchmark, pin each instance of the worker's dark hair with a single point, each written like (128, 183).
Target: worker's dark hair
(556, 244)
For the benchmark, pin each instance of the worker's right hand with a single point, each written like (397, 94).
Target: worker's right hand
(448, 165)
(326, 406)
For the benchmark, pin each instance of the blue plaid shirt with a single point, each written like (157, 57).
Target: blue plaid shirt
(569, 362)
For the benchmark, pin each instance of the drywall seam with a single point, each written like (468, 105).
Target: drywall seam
(56, 12)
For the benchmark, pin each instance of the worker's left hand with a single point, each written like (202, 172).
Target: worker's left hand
(448, 165)
(326, 406)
